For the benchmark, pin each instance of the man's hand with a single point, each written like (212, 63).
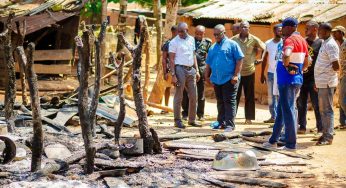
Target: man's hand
(335, 66)
(198, 76)
(263, 79)
(234, 80)
(174, 80)
(315, 88)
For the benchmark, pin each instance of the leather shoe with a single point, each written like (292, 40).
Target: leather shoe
(180, 125)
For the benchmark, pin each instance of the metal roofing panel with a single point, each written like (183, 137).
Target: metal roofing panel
(268, 11)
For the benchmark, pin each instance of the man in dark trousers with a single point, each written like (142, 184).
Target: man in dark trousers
(224, 62)
(250, 46)
(202, 46)
(308, 87)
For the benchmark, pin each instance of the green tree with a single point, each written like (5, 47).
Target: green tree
(93, 8)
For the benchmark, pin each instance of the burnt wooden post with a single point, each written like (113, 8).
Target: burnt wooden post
(122, 111)
(88, 113)
(21, 36)
(37, 143)
(137, 93)
(10, 88)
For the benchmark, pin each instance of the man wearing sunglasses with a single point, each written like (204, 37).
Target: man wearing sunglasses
(224, 62)
(185, 73)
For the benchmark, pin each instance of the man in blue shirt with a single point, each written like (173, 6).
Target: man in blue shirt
(224, 62)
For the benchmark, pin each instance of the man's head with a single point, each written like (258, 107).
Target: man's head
(311, 29)
(289, 26)
(325, 30)
(182, 30)
(219, 32)
(200, 31)
(338, 32)
(277, 30)
(244, 28)
(174, 30)
(235, 29)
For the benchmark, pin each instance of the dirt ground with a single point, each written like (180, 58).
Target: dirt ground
(166, 170)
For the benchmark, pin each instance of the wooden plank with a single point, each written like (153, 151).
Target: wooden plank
(50, 69)
(50, 55)
(288, 153)
(264, 174)
(249, 181)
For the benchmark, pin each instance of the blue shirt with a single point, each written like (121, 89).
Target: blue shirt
(222, 59)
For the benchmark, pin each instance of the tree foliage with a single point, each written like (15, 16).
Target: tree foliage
(93, 7)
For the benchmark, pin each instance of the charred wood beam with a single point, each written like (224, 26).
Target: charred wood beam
(37, 144)
(88, 113)
(10, 94)
(20, 42)
(122, 110)
(137, 93)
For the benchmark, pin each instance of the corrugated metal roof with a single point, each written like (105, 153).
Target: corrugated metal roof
(269, 12)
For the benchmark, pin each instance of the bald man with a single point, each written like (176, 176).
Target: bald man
(224, 63)
(202, 46)
(250, 45)
(235, 29)
(185, 73)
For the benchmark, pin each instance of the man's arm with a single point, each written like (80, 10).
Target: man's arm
(196, 66)
(207, 74)
(286, 57)
(172, 63)
(164, 61)
(235, 78)
(264, 65)
(306, 63)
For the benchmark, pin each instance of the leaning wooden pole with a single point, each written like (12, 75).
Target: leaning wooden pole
(122, 110)
(137, 91)
(37, 143)
(21, 36)
(88, 113)
(10, 88)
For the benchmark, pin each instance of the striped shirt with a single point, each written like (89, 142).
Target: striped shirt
(325, 76)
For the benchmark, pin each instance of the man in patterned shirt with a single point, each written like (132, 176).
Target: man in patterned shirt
(326, 80)
(339, 36)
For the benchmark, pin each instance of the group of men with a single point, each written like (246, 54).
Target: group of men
(304, 67)
(295, 65)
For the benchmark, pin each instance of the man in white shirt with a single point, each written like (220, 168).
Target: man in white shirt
(326, 80)
(184, 72)
(270, 58)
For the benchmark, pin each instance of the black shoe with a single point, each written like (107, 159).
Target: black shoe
(194, 124)
(271, 120)
(180, 125)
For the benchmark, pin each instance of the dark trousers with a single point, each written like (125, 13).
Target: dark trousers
(248, 83)
(226, 95)
(200, 99)
(302, 103)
